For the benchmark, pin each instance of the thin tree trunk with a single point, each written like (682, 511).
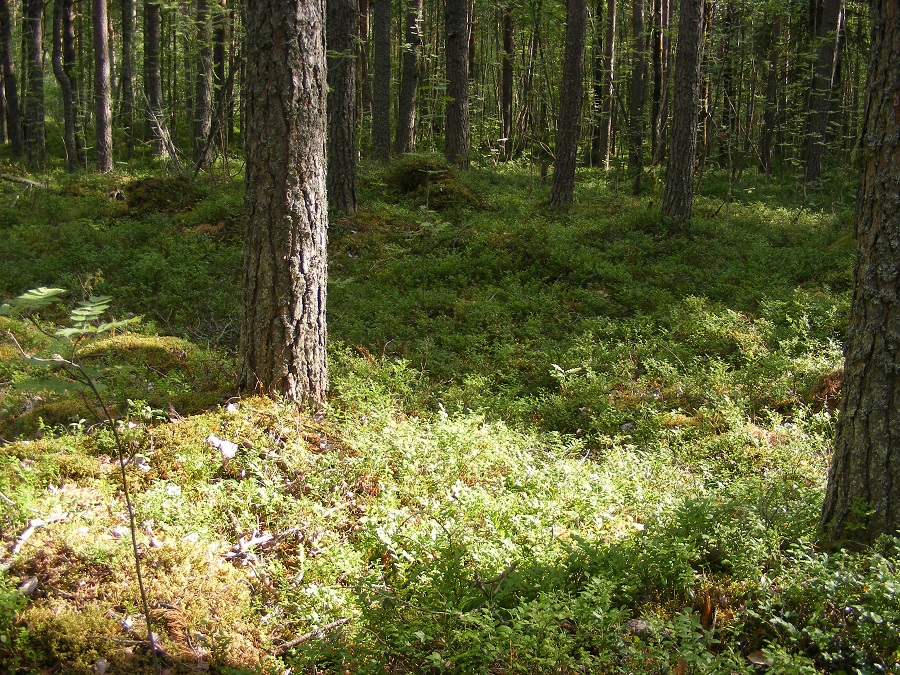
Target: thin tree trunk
(637, 94)
(609, 90)
(127, 70)
(821, 90)
(365, 84)
(342, 155)
(770, 114)
(70, 66)
(562, 190)
(679, 191)
(65, 87)
(35, 146)
(457, 139)
(506, 86)
(283, 332)
(862, 500)
(102, 97)
(203, 94)
(381, 96)
(405, 140)
(153, 79)
(13, 124)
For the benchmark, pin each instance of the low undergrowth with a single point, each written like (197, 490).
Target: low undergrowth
(567, 444)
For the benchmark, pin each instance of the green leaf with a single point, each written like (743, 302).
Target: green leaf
(53, 385)
(90, 310)
(35, 299)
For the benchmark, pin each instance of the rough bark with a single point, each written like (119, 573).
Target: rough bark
(65, 87)
(405, 138)
(102, 91)
(562, 190)
(282, 347)
(821, 89)
(153, 79)
(637, 94)
(341, 19)
(457, 140)
(10, 88)
(35, 145)
(203, 85)
(679, 190)
(127, 70)
(506, 86)
(381, 96)
(863, 496)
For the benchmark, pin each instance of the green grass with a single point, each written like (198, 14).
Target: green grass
(568, 443)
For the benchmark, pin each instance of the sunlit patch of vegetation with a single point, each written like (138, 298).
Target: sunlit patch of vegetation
(553, 444)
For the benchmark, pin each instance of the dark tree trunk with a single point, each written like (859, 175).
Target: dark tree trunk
(341, 20)
(457, 143)
(821, 90)
(381, 96)
(203, 89)
(365, 84)
(863, 496)
(65, 86)
(282, 347)
(405, 140)
(153, 79)
(562, 190)
(10, 89)
(4, 139)
(771, 111)
(637, 94)
(102, 97)
(608, 97)
(35, 146)
(126, 89)
(679, 191)
(659, 98)
(70, 66)
(506, 86)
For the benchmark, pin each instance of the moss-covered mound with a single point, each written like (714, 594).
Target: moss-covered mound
(428, 180)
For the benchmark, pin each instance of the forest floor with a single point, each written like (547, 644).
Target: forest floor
(578, 442)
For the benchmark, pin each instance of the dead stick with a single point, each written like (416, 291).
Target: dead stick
(306, 637)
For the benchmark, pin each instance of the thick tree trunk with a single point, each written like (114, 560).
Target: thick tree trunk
(10, 89)
(637, 94)
(342, 155)
(679, 191)
(102, 98)
(282, 347)
(821, 89)
(863, 496)
(65, 87)
(405, 140)
(506, 86)
(128, 74)
(35, 145)
(381, 97)
(203, 86)
(153, 79)
(457, 143)
(562, 190)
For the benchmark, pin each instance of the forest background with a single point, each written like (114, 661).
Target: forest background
(564, 434)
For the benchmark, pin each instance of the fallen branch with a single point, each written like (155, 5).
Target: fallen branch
(23, 181)
(306, 637)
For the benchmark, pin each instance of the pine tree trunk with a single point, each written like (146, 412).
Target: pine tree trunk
(10, 89)
(863, 496)
(128, 74)
(767, 136)
(35, 146)
(457, 143)
(821, 89)
(65, 87)
(381, 96)
(153, 78)
(679, 191)
(70, 66)
(608, 98)
(283, 333)
(506, 86)
(203, 93)
(637, 95)
(342, 155)
(364, 95)
(405, 140)
(562, 190)
(102, 91)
